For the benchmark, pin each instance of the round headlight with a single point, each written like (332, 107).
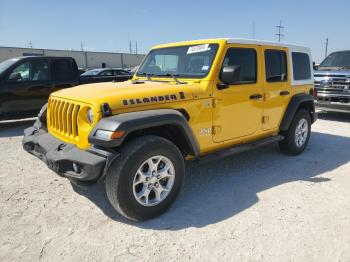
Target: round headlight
(90, 115)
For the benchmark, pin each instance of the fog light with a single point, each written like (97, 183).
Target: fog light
(76, 168)
(90, 115)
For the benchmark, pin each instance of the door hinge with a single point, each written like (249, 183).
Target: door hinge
(215, 102)
(265, 119)
(216, 130)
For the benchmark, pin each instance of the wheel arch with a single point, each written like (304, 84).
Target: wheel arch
(298, 101)
(167, 123)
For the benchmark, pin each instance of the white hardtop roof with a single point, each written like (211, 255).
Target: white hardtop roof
(262, 42)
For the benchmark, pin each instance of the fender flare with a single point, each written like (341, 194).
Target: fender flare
(294, 104)
(135, 121)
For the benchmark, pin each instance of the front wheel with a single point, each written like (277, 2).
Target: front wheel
(297, 136)
(146, 179)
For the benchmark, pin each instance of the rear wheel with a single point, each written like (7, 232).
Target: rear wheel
(146, 179)
(297, 136)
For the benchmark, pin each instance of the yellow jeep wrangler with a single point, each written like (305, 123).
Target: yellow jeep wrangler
(196, 100)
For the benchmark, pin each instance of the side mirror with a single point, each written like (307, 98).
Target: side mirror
(315, 66)
(15, 77)
(230, 75)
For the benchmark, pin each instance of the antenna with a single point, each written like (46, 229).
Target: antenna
(253, 32)
(326, 51)
(130, 49)
(136, 47)
(30, 44)
(81, 46)
(280, 29)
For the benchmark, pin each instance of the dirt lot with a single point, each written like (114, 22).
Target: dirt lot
(257, 206)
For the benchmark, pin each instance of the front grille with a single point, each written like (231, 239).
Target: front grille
(63, 117)
(339, 85)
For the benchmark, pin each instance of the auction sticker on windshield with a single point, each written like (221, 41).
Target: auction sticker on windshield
(198, 49)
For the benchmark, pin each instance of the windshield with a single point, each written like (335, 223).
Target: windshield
(183, 61)
(92, 72)
(338, 59)
(7, 63)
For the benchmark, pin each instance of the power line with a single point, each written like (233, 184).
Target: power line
(280, 29)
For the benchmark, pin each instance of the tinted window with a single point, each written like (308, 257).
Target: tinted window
(301, 66)
(121, 72)
(276, 65)
(63, 70)
(31, 71)
(245, 58)
(106, 73)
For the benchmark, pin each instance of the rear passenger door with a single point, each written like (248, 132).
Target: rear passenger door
(276, 86)
(64, 73)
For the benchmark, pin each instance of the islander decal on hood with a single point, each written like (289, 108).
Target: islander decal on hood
(153, 99)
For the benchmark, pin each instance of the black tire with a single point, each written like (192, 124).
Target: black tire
(288, 145)
(121, 173)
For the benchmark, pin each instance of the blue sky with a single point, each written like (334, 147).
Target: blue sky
(109, 25)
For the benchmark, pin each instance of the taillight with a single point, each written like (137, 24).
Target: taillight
(314, 92)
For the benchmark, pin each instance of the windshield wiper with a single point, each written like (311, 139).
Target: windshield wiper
(174, 76)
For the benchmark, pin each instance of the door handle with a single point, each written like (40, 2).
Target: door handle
(284, 93)
(256, 97)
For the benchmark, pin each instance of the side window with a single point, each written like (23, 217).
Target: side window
(245, 58)
(121, 72)
(62, 70)
(30, 71)
(276, 65)
(106, 73)
(301, 66)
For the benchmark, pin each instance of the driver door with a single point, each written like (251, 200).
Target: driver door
(238, 108)
(29, 85)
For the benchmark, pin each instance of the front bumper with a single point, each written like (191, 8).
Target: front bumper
(328, 105)
(66, 159)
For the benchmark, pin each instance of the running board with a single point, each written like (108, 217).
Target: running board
(240, 148)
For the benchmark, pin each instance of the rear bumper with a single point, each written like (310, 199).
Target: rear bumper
(66, 159)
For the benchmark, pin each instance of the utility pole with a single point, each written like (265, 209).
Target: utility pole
(326, 51)
(81, 46)
(280, 29)
(253, 32)
(30, 44)
(136, 47)
(130, 50)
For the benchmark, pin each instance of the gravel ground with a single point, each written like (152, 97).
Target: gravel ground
(256, 206)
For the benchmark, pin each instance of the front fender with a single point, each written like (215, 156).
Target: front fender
(134, 121)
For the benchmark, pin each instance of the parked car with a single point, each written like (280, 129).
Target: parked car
(27, 82)
(105, 75)
(195, 100)
(332, 82)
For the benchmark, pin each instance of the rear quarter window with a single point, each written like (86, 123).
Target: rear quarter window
(301, 66)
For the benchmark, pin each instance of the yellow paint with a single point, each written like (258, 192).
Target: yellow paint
(229, 113)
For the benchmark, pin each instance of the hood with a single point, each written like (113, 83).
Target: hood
(130, 94)
(332, 72)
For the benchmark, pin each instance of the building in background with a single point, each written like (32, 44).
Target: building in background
(84, 59)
